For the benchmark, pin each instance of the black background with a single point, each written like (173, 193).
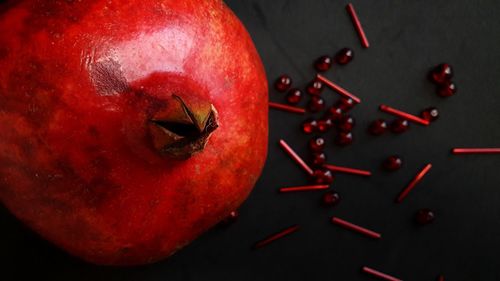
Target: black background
(407, 38)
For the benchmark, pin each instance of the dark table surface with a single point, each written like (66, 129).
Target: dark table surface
(407, 37)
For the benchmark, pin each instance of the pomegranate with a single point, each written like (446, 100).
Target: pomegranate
(128, 128)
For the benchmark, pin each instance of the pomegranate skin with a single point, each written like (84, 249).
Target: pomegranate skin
(81, 82)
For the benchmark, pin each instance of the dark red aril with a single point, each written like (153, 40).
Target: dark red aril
(324, 125)
(283, 83)
(335, 113)
(430, 114)
(317, 144)
(322, 176)
(424, 216)
(316, 104)
(447, 89)
(392, 163)
(344, 56)
(331, 198)
(315, 87)
(323, 63)
(318, 159)
(294, 96)
(399, 126)
(441, 73)
(343, 138)
(309, 126)
(346, 123)
(345, 104)
(231, 218)
(377, 127)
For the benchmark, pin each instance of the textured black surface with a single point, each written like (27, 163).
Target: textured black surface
(407, 37)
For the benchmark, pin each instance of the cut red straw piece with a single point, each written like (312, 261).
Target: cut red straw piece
(296, 157)
(357, 25)
(304, 188)
(476, 151)
(288, 108)
(413, 183)
(276, 236)
(357, 228)
(441, 278)
(337, 88)
(379, 274)
(404, 115)
(346, 170)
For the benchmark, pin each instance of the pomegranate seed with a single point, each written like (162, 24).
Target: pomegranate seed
(317, 144)
(346, 170)
(393, 163)
(318, 159)
(283, 83)
(323, 63)
(274, 237)
(303, 188)
(346, 123)
(294, 96)
(448, 89)
(331, 198)
(476, 151)
(357, 228)
(309, 126)
(344, 56)
(418, 178)
(379, 274)
(231, 218)
(441, 73)
(345, 104)
(335, 113)
(315, 87)
(287, 108)
(404, 115)
(430, 114)
(324, 124)
(424, 216)
(399, 126)
(341, 91)
(322, 176)
(343, 138)
(377, 127)
(295, 157)
(316, 104)
(357, 25)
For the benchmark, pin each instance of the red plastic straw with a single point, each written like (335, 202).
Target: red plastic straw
(296, 157)
(337, 88)
(357, 228)
(404, 115)
(413, 183)
(347, 170)
(357, 25)
(379, 274)
(303, 188)
(288, 108)
(476, 151)
(276, 236)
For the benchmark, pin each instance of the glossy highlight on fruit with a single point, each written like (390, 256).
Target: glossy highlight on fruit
(120, 122)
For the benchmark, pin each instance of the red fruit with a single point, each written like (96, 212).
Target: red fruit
(110, 141)
(345, 104)
(331, 198)
(283, 83)
(315, 87)
(316, 104)
(335, 113)
(430, 114)
(441, 73)
(447, 89)
(344, 56)
(399, 126)
(323, 63)
(324, 124)
(377, 127)
(317, 144)
(309, 126)
(393, 163)
(318, 159)
(346, 123)
(344, 138)
(294, 96)
(322, 176)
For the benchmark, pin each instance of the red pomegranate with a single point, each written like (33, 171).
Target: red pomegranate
(127, 128)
